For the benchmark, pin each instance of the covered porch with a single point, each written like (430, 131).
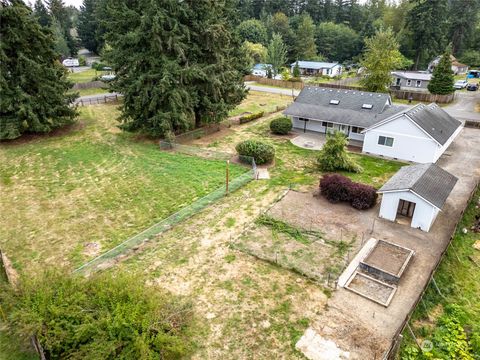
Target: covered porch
(313, 140)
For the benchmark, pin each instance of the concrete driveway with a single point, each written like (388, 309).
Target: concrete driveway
(379, 324)
(464, 107)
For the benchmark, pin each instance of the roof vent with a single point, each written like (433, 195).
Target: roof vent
(334, 102)
(367, 106)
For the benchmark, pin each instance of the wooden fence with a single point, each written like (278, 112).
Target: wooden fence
(273, 82)
(422, 96)
(98, 100)
(89, 85)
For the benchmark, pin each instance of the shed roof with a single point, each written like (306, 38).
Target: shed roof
(434, 121)
(314, 65)
(429, 181)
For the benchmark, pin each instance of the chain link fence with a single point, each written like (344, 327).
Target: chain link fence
(184, 213)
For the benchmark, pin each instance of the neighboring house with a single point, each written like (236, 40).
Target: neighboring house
(416, 193)
(315, 68)
(420, 134)
(411, 80)
(457, 67)
(261, 69)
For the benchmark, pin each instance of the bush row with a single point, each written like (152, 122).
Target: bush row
(260, 151)
(338, 188)
(247, 118)
(281, 126)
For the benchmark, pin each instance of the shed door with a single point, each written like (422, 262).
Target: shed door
(406, 208)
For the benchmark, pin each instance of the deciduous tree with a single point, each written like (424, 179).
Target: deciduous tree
(253, 30)
(381, 56)
(276, 53)
(305, 39)
(33, 83)
(337, 42)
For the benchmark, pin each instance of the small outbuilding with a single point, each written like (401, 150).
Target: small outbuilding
(416, 194)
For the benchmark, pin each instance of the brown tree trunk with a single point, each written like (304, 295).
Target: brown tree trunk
(198, 120)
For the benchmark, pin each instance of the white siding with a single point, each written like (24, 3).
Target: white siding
(410, 143)
(441, 150)
(423, 216)
(316, 125)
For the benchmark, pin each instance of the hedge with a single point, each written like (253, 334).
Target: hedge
(260, 151)
(281, 126)
(250, 117)
(338, 188)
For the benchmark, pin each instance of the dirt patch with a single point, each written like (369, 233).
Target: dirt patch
(388, 257)
(371, 288)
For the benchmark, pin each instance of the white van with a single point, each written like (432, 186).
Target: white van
(70, 62)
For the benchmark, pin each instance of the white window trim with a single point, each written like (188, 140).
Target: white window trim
(409, 82)
(385, 144)
(418, 83)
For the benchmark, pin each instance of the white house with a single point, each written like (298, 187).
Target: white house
(419, 134)
(457, 67)
(317, 68)
(416, 193)
(261, 69)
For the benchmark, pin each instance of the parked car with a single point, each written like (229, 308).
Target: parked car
(70, 62)
(107, 77)
(472, 87)
(460, 84)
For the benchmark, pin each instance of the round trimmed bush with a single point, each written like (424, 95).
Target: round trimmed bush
(260, 151)
(281, 126)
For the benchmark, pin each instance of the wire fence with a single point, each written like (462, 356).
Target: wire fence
(168, 223)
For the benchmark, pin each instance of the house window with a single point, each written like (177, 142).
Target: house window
(385, 140)
(409, 82)
(303, 119)
(398, 81)
(357, 130)
(327, 124)
(418, 83)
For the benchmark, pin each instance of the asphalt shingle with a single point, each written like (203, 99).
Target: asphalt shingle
(429, 181)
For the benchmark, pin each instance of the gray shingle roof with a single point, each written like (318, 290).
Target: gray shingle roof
(314, 65)
(429, 181)
(413, 75)
(434, 121)
(314, 103)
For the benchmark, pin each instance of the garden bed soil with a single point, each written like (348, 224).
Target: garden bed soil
(371, 288)
(389, 257)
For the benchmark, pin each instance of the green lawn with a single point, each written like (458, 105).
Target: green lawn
(81, 193)
(257, 101)
(84, 76)
(93, 91)
(451, 319)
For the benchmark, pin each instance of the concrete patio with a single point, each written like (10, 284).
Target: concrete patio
(314, 141)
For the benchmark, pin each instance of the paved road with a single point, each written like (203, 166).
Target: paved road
(272, 90)
(464, 106)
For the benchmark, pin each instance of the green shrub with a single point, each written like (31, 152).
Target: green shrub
(260, 151)
(334, 155)
(247, 118)
(101, 317)
(281, 126)
(82, 60)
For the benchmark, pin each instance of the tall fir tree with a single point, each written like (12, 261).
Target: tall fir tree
(305, 39)
(41, 13)
(381, 56)
(427, 22)
(59, 12)
(88, 26)
(178, 65)
(442, 77)
(33, 83)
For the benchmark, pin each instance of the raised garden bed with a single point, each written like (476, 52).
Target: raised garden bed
(371, 288)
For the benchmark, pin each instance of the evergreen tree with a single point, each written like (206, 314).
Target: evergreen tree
(442, 77)
(381, 56)
(427, 22)
(337, 42)
(33, 83)
(253, 30)
(59, 12)
(305, 39)
(462, 22)
(276, 53)
(41, 13)
(61, 45)
(88, 27)
(178, 65)
(296, 71)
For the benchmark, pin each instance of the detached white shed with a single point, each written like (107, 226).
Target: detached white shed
(417, 194)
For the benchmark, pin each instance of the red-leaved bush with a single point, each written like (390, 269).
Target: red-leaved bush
(337, 188)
